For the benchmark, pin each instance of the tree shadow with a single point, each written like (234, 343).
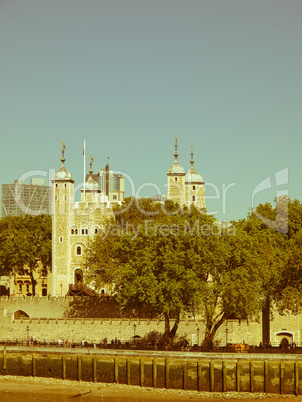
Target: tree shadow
(93, 307)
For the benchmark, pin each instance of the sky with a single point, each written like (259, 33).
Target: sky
(128, 76)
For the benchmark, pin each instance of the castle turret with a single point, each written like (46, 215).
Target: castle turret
(92, 188)
(194, 187)
(176, 180)
(62, 198)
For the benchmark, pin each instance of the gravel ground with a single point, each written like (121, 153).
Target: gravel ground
(85, 391)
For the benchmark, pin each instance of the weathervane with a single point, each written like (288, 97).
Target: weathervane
(176, 146)
(192, 155)
(91, 163)
(63, 152)
(192, 152)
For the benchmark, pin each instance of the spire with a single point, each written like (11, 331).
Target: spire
(192, 176)
(176, 167)
(62, 173)
(63, 152)
(90, 185)
(192, 155)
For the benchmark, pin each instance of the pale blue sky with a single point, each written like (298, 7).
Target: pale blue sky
(129, 75)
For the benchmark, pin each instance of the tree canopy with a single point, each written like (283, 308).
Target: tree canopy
(165, 261)
(25, 241)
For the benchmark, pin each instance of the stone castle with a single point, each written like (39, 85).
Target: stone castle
(74, 223)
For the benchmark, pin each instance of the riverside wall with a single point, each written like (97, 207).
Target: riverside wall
(93, 319)
(160, 370)
(96, 329)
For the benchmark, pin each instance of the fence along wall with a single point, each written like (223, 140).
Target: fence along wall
(277, 377)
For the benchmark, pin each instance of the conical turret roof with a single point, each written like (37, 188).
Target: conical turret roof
(62, 173)
(192, 176)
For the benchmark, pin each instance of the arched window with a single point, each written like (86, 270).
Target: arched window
(193, 187)
(72, 231)
(193, 198)
(175, 178)
(75, 231)
(79, 250)
(20, 314)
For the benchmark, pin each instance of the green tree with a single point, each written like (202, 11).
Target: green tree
(24, 242)
(229, 280)
(147, 253)
(165, 261)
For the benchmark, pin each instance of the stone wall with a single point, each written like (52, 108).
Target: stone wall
(94, 319)
(96, 329)
(159, 370)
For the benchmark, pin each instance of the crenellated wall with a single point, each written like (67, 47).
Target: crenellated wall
(94, 319)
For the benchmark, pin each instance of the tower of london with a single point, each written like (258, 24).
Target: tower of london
(75, 223)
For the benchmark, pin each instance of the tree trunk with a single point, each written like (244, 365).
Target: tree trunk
(33, 283)
(167, 330)
(170, 335)
(175, 328)
(211, 330)
(266, 322)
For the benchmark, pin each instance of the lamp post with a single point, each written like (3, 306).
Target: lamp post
(27, 334)
(198, 336)
(134, 328)
(226, 336)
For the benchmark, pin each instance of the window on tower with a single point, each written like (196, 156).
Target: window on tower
(193, 198)
(175, 178)
(79, 250)
(193, 187)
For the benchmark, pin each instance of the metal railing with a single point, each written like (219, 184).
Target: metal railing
(72, 343)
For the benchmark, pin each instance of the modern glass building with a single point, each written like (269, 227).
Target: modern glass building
(19, 198)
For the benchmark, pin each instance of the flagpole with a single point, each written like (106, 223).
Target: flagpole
(84, 155)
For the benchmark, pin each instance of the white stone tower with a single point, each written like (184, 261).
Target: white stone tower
(176, 180)
(74, 224)
(62, 198)
(185, 188)
(194, 187)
